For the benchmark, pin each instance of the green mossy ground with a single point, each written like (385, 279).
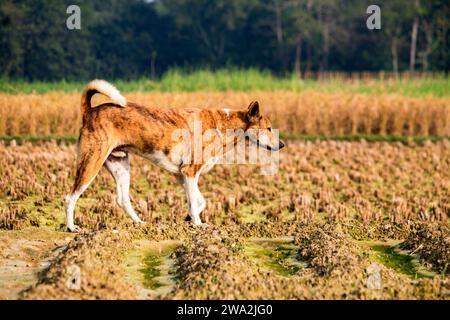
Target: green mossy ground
(402, 262)
(275, 254)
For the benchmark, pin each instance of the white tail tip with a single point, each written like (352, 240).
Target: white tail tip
(108, 90)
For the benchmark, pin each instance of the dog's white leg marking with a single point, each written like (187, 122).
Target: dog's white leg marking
(208, 166)
(193, 195)
(70, 207)
(201, 201)
(120, 170)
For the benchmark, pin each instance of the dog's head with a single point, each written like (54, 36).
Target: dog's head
(259, 129)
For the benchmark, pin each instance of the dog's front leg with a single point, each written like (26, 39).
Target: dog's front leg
(193, 196)
(201, 201)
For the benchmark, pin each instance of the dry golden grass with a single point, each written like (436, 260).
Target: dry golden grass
(303, 113)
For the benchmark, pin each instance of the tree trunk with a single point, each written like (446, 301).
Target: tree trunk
(394, 52)
(308, 58)
(278, 22)
(298, 57)
(309, 5)
(326, 44)
(279, 33)
(412, 52)
(413, 48)
(429, 42)
(153, 65)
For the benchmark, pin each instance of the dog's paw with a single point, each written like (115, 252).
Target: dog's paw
(74, 229)
(200, 225)
(139, 223)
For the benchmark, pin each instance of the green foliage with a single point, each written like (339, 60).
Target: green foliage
(276, 255)
(143, 39)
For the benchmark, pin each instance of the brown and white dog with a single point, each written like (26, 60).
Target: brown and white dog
(113, 130)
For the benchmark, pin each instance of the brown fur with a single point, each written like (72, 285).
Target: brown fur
(110, 131)
(145, 129)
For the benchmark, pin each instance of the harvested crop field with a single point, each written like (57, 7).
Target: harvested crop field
(309, 112)
(341, 220)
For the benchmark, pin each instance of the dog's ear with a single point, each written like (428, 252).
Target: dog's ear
(253, 110)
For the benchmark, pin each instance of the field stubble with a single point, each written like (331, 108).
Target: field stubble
(327, 197)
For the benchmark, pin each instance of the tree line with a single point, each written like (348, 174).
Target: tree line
(144, 38)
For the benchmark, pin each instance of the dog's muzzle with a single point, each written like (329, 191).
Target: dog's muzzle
(280, 146)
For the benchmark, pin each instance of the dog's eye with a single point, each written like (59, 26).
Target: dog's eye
(270, 129)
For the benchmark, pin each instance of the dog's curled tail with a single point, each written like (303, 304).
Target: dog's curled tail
(103, 87)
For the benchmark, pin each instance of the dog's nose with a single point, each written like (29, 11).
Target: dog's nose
(281, 145)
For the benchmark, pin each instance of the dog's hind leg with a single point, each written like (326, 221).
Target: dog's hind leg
(90, 161)
(119, 167)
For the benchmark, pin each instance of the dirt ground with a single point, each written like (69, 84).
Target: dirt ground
(24, 255)
(341, 220)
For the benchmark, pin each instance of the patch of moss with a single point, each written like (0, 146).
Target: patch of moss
(152, 262)
(251, 213)
(401, 263)
(275, 255)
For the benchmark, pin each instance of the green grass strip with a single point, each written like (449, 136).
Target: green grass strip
(70, 139)
(246, 80)
(20, 139)
(360, 137)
